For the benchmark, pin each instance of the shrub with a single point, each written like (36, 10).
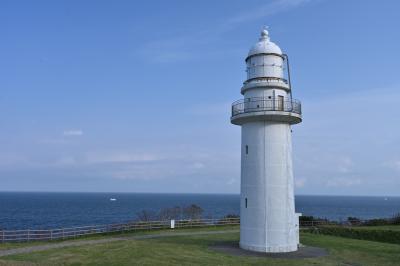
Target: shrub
(375, 222)
(193, 212)
(146, 215)
(311, 220)
(231, 216)
(306, 218)
(387, 236)
(228, 219)
(354, 221)
(170, 213)
(395, 219)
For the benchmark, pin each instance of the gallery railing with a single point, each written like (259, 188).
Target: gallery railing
(259, 104)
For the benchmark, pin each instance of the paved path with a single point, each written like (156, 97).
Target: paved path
(77, 243)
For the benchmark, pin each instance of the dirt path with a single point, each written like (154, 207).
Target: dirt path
(77, 243)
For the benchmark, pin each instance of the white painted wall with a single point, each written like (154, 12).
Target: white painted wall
(268, 222)
(265, 93)
(264, 66)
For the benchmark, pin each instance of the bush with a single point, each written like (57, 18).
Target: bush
(354, 221)
(146, 215)
(228, 219)
(312, 221)
(387, 236)
(375, 222)
(170, 213)
(306, 218)
(231, 216)
(395, 219)
(193, 212)
(190, 212)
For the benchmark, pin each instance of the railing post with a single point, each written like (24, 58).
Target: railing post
(273, 103)
(29, 230)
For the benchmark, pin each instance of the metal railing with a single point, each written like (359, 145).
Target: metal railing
(268, 79)
(72, 232)
(346, 223)
(259, 104)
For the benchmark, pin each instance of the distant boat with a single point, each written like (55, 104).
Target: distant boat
(385, 198)
(113, 199)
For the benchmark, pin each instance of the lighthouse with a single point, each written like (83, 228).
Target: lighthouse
(268, 222)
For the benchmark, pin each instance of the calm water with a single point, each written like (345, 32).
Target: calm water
(54, 210)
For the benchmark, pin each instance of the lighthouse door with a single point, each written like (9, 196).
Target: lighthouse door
(280, 103)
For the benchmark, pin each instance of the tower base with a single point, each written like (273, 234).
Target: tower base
(271, 249)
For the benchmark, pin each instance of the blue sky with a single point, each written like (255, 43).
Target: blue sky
(134, 96)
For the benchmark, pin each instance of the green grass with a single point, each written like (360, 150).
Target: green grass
(380, 227)
(194, 250)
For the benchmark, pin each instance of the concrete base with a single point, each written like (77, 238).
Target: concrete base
(274, 249)
(303, 252)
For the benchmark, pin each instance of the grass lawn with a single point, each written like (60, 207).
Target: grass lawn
(11, 245)
(193, 250)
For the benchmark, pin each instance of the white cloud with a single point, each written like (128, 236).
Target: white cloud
(397, 165)
(345, 164)
(54, 141)
(73, 132)
(392, 164)
(349, 144)
(300, 182)
(343, 182)
(231, 181)
(180, 48)
(271, 8)
(198, 165)
(66, 161)
(12, 159)
(119, 157)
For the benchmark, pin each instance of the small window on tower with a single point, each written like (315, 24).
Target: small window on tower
(247, 149)
(245, 202)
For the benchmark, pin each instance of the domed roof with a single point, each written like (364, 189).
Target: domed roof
(264, 45)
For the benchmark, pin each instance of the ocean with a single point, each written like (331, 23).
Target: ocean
(42, 210)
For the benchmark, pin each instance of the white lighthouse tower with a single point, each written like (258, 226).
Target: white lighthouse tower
(268, 222)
